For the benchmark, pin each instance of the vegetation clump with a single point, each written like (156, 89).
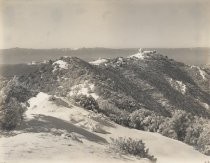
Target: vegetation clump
(87, 102)
(13, 103)
(132, 147)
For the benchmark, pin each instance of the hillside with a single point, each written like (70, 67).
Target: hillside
(82, 136)
(155, 83)
(138, 94)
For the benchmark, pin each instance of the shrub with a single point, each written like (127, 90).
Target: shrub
(167, 130)
(87, 102)
(114, 113)
(193, 131)
(121, 119)
(11, 114)
(133, 147)
(176, 126)
(204, 140)
(145, 120)
(108, 108)
(12, 104)
(180, 122)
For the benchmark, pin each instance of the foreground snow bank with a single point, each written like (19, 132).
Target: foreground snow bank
(41, 105)
(166, 150)
(74, 135)
(45, 147)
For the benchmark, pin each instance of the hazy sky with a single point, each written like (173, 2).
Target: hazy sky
(104, 23)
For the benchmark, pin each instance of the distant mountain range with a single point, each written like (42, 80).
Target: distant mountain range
(193, 56)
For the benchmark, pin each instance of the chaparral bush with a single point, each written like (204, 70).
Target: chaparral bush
(87, 102)
(133, 147)
(13, 103)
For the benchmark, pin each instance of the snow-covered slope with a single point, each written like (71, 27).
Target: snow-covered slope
(62, 132)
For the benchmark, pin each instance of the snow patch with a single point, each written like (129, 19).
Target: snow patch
(84, 89)
(41, 105)
(178, 85)
(182, 86)
(205, 105)
(142, 54)
(201, 72)
(98, 62)
(32, 63)
(61, 65)
(137, 55)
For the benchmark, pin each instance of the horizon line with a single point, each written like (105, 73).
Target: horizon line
(99, 47)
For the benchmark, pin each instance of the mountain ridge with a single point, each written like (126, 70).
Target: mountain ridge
(112, 79)
(145, 91)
